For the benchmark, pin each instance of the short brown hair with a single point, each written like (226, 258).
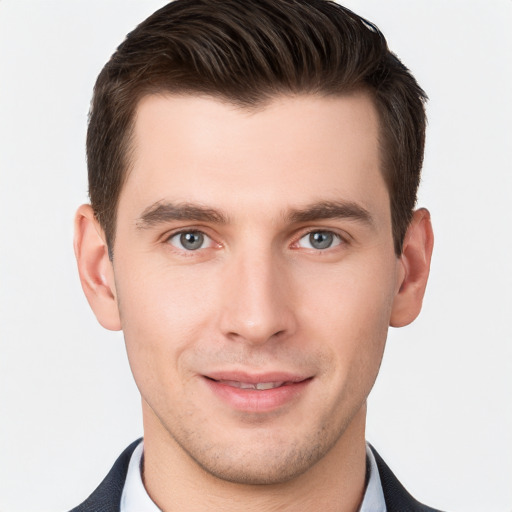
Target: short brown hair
(247, 51)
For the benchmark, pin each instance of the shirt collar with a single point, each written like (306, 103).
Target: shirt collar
(373, 500)
(136, 499)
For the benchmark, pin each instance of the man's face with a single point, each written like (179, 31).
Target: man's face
(255, 276)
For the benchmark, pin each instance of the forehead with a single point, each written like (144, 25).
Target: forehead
(291, 150)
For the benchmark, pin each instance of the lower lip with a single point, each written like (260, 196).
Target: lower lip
(253, 400)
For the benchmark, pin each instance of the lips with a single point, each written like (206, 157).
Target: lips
(257, 393)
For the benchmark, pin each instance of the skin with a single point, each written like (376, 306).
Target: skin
(256, 296)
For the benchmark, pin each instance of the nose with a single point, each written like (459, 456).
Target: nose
(257, 303)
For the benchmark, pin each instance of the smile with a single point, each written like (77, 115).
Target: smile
(257, 394)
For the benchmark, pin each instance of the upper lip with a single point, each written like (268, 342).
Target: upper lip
(256, 378)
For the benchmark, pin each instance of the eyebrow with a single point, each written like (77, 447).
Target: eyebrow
(331, 210)
(162, 212)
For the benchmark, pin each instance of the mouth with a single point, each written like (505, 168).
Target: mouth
(262, 393)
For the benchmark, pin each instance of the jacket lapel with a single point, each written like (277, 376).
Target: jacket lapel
(395, 495)
(107, 497)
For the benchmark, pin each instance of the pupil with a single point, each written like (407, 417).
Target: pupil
(320, 239)
(191, 241)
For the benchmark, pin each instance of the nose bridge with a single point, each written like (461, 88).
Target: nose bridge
(256, 298)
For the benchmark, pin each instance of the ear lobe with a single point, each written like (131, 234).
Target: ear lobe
(415, 268)
(95, 268)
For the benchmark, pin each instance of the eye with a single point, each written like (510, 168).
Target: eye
(320, 240)
(190, 240)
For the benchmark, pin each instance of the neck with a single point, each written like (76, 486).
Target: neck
(175, 482)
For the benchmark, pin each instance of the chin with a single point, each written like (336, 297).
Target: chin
(260, 472)
(263, 463)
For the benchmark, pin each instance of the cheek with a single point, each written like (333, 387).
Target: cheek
(352, 310)
(357, 292)
(162, 315)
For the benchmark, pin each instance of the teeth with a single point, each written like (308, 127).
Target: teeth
(246, 385)
(268, 385)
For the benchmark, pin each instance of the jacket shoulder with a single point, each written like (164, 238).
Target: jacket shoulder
(107, 496)
(397, 498)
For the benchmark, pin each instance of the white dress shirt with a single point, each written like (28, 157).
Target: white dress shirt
(136, 499)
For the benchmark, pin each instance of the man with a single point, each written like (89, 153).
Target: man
(253, 168)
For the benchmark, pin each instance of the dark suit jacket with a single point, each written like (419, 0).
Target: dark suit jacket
(107, 497)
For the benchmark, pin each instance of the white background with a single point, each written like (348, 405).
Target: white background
(440, 413)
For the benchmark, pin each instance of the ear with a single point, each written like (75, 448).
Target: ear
(414, 269)
(95, 268)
